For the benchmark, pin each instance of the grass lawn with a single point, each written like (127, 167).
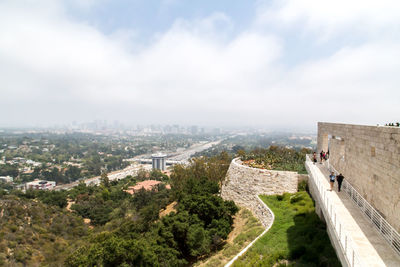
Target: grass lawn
(297, 237)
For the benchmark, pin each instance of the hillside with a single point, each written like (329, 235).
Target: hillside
(125, 230)
(33, 233)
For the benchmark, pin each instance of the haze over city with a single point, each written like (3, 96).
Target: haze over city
(277, 64)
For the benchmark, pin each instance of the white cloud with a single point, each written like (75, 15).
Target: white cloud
(332, 16)
(54, 69)
(355, 84)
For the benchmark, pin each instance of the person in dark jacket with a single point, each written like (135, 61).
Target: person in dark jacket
(339, 179)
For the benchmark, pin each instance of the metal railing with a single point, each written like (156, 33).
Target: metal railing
(345, 241)
(372, 215)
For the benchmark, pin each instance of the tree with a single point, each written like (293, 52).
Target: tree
(242, 154)
(8, 169)
(142, 174)
(56, 198)
(73, 173)
(104, 180)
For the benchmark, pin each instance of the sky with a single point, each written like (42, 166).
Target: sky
(227, 63)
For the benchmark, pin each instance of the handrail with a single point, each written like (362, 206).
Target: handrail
(372, 215)
(345, 240)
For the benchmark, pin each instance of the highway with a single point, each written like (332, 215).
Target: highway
(185, 155)
(112, 176)
(180, 156)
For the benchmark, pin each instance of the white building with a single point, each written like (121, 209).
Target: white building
(40, 184)
(7, 179)
(158, 161)
(33, 163)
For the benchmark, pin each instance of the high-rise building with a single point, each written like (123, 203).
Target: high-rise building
(159, 161)
(194, 130)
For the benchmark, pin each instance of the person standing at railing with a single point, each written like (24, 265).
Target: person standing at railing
(332, 179)
(339, 179)
(314, 157)
(321, 155)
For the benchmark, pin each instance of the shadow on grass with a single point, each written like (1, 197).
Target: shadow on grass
(297, 237)
(308, 242)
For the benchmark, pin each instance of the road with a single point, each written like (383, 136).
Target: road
(132, 169)
(185, 155)
(112, 176)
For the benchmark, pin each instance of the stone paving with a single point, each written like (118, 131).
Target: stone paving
(372, 247)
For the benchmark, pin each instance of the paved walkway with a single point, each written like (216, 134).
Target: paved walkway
(373, 248)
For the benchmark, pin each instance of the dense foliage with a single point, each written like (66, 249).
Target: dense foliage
(276, 158)
(32, 232)
(393, 124)
(47, 227)
(9, 170)
(201, 223)
(247, 228)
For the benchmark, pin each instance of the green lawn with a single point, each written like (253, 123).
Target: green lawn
(297, 237)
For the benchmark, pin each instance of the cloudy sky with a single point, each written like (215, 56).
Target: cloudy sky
(278, 64)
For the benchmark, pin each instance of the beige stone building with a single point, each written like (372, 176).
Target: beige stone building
(369, 158)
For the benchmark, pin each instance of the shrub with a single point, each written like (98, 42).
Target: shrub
(302, 186)
(297, 252)
(296, 198)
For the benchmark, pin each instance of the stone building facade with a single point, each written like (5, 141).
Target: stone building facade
(243, 184)
(369, 158)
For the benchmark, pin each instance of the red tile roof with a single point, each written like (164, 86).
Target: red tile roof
(147, 185)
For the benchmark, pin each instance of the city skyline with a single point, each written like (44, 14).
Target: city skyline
(270, 64)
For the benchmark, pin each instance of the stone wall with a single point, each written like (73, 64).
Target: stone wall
(369, 158)
(243, 184)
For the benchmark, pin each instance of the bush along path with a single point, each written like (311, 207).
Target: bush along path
(268, 220)
(246, 228)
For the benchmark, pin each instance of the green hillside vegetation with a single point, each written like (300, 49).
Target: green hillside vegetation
(276, 158)
(297, 237)
(125, 230)
(247, 228)
(201, 224)
(32, 232)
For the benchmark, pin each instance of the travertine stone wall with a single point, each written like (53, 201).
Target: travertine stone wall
(369, 158)
(243, 184)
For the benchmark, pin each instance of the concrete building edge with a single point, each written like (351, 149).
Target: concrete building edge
(329, 227)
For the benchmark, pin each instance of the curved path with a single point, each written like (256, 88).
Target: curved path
(243, 185)
(267, 221)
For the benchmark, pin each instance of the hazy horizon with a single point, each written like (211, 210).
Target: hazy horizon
(263, 64)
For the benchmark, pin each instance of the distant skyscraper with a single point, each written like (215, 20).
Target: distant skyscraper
(194, 130)
(158, 161)
(216, 131)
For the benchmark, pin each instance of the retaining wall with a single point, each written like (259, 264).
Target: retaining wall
(243, 184)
